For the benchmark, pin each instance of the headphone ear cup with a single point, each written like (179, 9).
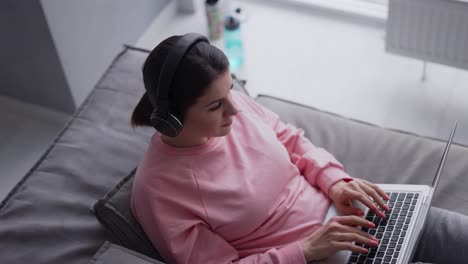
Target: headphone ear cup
(169, 126)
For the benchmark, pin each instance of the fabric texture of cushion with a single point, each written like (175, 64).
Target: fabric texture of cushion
(110, 253)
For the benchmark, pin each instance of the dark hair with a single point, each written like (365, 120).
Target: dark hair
(202, 64)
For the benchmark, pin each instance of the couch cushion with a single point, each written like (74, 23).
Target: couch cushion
(110, 253)
(46, 218)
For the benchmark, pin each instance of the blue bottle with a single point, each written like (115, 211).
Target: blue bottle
(233, 42)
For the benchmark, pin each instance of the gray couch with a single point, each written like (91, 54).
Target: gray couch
(72, 207)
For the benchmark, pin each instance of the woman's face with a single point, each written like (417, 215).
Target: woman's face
(211, 115)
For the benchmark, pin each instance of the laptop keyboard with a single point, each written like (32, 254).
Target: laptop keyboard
(391, 231)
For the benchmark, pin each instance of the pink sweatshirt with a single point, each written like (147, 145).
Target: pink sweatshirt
(248, 197)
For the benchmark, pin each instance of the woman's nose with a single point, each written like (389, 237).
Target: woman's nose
(232, 109)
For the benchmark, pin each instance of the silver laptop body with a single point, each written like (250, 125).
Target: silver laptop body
(412, 226)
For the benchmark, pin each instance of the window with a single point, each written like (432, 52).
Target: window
(375, 9)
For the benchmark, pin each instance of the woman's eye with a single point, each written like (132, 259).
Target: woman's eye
(216, 107)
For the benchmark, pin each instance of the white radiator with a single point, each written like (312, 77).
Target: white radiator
(431, 30)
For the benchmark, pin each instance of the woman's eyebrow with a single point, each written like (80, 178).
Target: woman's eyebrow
(215, 101)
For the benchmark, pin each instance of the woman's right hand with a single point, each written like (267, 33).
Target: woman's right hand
(338, 234)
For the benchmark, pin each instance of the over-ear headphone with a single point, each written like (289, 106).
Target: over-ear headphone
(161, 119)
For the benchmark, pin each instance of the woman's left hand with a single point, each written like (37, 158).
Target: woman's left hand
(342, 193)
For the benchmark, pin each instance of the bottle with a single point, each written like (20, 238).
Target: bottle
(214, 16)
(233, 42)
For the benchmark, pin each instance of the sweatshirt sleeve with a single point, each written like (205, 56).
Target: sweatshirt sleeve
(183, 238)
(317, 165)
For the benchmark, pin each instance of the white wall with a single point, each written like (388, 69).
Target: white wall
(30, 69)
(53, 51)
(88, 34)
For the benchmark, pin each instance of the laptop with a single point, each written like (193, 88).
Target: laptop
(400, 231)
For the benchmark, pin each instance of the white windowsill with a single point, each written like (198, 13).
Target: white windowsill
(367, 10)
(373, 10)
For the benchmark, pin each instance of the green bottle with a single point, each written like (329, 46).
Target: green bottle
(233, 42)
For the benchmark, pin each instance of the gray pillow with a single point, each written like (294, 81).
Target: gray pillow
(114, 212)
(110, 253)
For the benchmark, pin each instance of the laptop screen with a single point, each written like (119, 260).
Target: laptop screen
(435, 182)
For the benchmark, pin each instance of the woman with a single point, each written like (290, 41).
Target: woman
(237, 185)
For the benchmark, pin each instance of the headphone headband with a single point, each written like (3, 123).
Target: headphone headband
(161, 119)
(169, 68)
